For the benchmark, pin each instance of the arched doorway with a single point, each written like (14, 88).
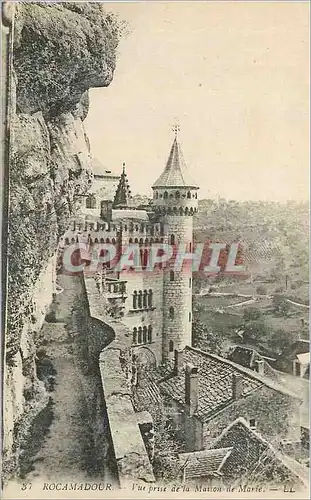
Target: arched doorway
(144, 361)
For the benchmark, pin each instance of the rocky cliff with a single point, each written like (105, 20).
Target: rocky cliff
(60, 51)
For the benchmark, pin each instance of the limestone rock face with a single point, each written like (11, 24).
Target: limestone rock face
(60, 51)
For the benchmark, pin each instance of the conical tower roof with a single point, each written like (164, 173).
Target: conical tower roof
(123, 193)
(175, 173)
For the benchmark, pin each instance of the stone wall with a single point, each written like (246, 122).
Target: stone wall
(60, 50)
(128, 449)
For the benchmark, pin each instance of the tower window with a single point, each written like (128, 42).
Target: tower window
(139, 335)
(145, 298)
(189, 194)
(171, 312)
(90, 201)
(172, 239)
(165, 196)
(135, 335)
(140, 299)
(177, 195)
(149, 334)
(150, 298)
(172, 276)
(135, 300)
(145, 335)
(171, 346)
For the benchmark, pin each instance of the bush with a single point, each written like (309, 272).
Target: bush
(261, 290)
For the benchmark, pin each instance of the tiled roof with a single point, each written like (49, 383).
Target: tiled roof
(214, 382)
(101, 171)
(127, 213)
(253, 459)
(215, 377)
(175, 173)
(203, 463)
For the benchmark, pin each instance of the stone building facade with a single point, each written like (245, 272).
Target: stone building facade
(156, 305)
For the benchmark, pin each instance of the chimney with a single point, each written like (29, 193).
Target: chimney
(191, 389)
(237, 386)
(178, 362)
(260, 366)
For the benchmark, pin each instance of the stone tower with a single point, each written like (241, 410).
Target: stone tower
(175, 201)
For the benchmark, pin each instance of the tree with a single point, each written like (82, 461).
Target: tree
(255, 330)
(280, 305)
(252, 314)
(204, 339)
(261, 290)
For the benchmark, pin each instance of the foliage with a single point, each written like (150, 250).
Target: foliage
(205, 340)
(280, 305)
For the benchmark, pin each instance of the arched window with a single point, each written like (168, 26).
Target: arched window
(190, 247)
(66, 241)
(189, 194)
(149, 334)
(145, 335)
(165, 196)
(172, 239)
(196, 195)
(172, 276)
(177, 195)
(140, 299)
(90, 201)
(102, 240)
(131, 240)
(135, 335)
(150, 298)
(96, 240)
(156, 195)
(139, 335)
(135, 300)
(190, 282)
(145, 298)
(171, 312)
(171, 346)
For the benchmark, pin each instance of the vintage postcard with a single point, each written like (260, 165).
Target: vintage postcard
(155, 222)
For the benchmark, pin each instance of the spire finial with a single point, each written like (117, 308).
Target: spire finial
(176, 129)
(123, 167)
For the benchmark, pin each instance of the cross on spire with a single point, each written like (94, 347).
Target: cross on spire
(176, 129)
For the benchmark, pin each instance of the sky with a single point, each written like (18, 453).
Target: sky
(234, 75)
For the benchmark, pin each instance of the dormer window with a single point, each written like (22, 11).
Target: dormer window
(252, 423)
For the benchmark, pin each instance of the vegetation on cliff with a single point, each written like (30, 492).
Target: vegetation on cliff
(60, 51)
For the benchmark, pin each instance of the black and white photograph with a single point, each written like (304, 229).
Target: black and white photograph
(155, 249)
